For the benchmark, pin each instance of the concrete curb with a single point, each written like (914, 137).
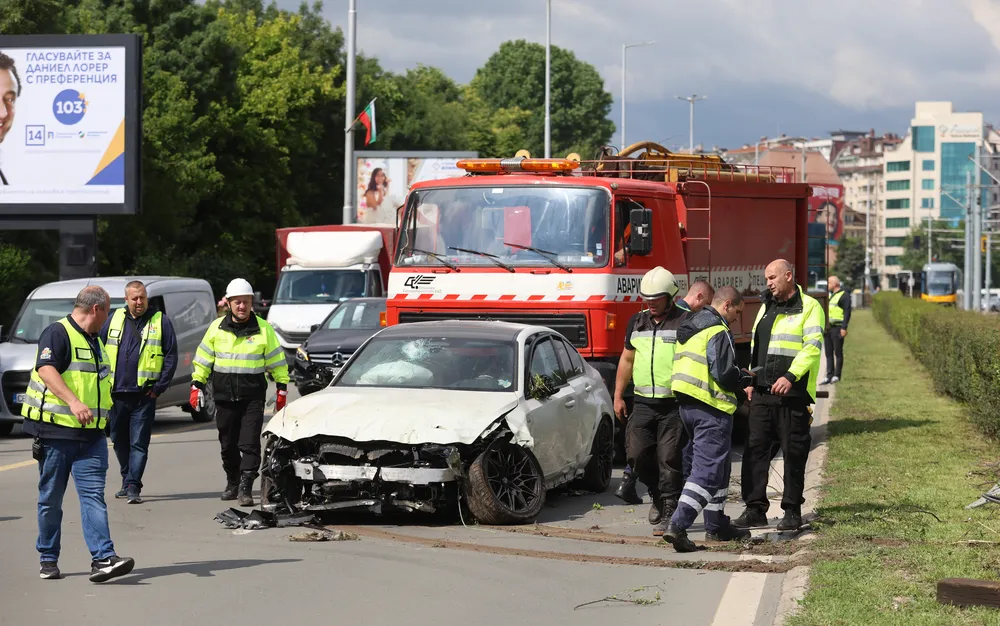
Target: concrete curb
(796, 581)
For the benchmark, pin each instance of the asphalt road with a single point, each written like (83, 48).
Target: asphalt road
(190, 569)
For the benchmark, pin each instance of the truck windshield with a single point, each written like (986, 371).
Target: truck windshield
(940, 283)
(519, 226)
(38, 314)
(319, 286)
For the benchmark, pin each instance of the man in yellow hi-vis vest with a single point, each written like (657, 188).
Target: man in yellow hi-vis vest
(236, 353)
(67, 405)
(143, 351)
(839, 314)
(709, 386)
(786, 344)
(654, 434)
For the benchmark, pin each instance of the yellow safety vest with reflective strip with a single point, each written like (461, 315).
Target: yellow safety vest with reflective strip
(88, 376)
(798, 337)
(836, 314)
(225, 353)
(150, 348)
(691, 376)
(654, 362)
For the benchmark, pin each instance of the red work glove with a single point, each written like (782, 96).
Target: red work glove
(195, 393)
(281, 400)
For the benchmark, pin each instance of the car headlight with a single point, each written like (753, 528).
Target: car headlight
(300, 353)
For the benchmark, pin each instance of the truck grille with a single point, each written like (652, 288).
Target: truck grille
(12, 383)
(571, 326)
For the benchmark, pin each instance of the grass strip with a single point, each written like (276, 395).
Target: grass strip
(902, 464)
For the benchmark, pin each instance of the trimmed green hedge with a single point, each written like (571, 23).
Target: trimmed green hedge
(960, 349)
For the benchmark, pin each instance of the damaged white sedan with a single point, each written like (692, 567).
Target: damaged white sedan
(433, 415)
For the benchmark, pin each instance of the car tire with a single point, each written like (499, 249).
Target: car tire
(489, 495)
(207, 412)
(6, 428)
(597, 475)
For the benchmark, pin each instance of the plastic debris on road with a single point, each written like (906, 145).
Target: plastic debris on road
(324, 535)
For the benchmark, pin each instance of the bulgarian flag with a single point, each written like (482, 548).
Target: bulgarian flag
(367, 119)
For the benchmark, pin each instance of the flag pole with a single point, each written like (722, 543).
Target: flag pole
(347, 216)
(358, 116)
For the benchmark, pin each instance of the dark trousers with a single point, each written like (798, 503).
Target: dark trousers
(131, 421)
(710, 431)
(785, 420)
(239, 424)
(654, 441)
(834, 344)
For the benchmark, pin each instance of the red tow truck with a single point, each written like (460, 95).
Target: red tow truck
(563, 243)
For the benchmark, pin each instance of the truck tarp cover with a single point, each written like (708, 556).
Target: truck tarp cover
(333, 249)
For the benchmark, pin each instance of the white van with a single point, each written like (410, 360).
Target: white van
(188, 302)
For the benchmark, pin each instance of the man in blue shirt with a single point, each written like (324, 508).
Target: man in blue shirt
(143, 351)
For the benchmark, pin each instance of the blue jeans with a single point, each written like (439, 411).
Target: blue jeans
(131, 427)
(88, 462)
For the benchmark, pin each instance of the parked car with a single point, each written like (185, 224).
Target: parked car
(426, 412)
(333, 341)
(187, 301)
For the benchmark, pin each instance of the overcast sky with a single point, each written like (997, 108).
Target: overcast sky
(794, 66)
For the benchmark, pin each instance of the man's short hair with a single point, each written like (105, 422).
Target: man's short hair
(7, 63)
(703, 287)
(135, 284)
(92, 296)
(727, 293)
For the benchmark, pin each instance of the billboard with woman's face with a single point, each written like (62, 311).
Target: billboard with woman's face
(826, 206)
(384, 179)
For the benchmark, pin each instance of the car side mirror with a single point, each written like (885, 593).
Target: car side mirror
(641, 239)
(2, 337)
(314, 328)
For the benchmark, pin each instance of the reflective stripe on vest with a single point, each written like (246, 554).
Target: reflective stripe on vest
(150, 346)
(691, 376)
(834, 313)
(88, 377)
(654, 362)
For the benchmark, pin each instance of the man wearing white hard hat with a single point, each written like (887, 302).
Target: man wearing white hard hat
(236, 353)
(654, 435)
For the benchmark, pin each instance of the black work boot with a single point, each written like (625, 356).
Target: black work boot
(667, 511)
(246, 488)
(655, 509)
(791, 521)
(728, 533)
(232, 485)
(678, 538)
(751, 518)
(626, 489)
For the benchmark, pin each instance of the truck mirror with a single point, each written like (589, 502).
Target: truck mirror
(641, 239)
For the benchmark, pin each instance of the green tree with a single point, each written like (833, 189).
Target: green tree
(514, 78)
(850, 264)
(943, 250)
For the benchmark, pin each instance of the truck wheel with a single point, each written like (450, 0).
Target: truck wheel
(6, 428)
(505, 485)
(207, 412)
(597, 475)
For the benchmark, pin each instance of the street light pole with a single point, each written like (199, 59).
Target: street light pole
(349, 183)
(977, 225)
(548, 79)
(868, 242)
(625, 47)
(691, 100)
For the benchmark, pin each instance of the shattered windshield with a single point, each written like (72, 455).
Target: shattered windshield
(439, 362)
(526, 226)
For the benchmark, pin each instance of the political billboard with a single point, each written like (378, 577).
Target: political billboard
(70, 124)
(385, 177)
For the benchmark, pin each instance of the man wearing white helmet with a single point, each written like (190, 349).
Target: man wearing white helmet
(654, 435)
(236, 353)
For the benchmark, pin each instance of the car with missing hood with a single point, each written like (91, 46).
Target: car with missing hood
(333, 341)
(426, 415)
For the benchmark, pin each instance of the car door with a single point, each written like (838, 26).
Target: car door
(548, 420)
(584, 413)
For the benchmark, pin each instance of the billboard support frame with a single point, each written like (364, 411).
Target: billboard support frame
(132, 44)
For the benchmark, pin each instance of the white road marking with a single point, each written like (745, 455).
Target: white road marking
(740, 600)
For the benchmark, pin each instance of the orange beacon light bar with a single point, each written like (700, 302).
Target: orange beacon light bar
(517, 164)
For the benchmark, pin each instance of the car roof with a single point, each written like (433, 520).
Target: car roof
(115, 286)
(472, 329)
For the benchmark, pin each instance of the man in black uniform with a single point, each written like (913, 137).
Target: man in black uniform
(654, 436)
